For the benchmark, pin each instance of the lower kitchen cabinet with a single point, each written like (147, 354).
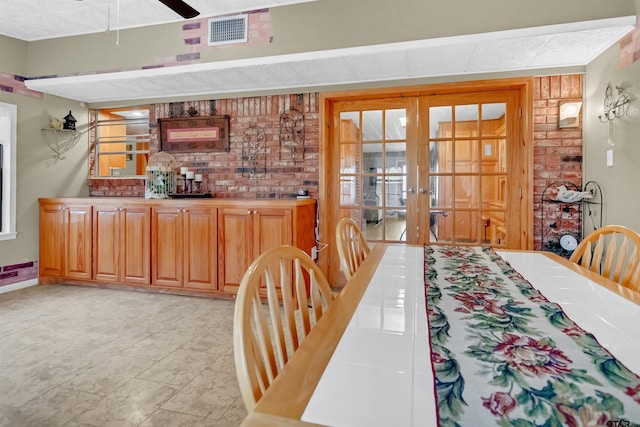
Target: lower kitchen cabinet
(121, 244)
(191, 247)
(244, 234)
(65, 240)
(184, 253)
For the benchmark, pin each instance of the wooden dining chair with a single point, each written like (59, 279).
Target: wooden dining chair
(281, 296)
(613, 252)
(352, 246)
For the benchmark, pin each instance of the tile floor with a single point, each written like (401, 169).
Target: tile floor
(79, 356)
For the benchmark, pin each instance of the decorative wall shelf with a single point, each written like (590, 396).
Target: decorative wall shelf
(60, 140)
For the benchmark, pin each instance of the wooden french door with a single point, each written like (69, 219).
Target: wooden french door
(438, 169)
(467, 188)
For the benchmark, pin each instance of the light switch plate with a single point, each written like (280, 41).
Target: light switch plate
(609, 158)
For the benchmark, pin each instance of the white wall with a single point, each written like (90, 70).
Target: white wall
(621, 182)
(37, 174)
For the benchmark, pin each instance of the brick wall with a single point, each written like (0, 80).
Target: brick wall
(276, 174)
(15, 273)
(557, 152)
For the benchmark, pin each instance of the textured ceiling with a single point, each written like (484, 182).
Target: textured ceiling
(31, 20)
(566, 45)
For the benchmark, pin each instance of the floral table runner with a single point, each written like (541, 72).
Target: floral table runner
(504, 355)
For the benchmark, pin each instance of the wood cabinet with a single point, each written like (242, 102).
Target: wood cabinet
(121, 243)
(184, 253)
(192, 247)
(65, 240)
(244, 234)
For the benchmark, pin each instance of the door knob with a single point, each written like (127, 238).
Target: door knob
(423, 191)
(411, 190)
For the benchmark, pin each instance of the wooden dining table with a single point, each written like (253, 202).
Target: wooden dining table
(369, 360)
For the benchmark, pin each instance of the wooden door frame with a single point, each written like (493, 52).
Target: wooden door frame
(329, 155)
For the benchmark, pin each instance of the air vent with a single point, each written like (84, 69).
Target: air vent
(228, 29)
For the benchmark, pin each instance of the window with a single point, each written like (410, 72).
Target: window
(122, 142)
(8, 119)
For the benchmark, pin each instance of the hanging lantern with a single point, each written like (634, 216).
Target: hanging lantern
(69, 122)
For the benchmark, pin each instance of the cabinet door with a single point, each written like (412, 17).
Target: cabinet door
(235, 243)
(65, 241)
(106, 236)
(200, 243)
(167, 247)
(135, 245)
(52, 250)
(77, 237)
(272, 228)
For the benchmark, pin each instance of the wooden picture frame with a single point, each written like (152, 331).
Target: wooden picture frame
(194, 134)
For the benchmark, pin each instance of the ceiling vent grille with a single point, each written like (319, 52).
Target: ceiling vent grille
(228, 29)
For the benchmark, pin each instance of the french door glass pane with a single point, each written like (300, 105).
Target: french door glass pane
(440, 119)
(466, 123)
(466, 191)
(349, 190)
(395, 188)
(372, 125)
(441, 191)
(349, 158)
(440, 226)
(440, 155)
(372, 158)
(395, 124)
(466, 156)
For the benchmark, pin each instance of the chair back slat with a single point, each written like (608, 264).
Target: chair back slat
(621, 260)
(289, 307)
(271, 321)
(634, 282)
(263, 338)
(631, 268)
(277, 325)
(613, 252)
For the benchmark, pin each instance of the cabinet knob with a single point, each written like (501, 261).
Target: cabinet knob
(255, 212)
(248, 212)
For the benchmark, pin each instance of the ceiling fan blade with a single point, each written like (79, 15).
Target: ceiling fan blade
(181, 8)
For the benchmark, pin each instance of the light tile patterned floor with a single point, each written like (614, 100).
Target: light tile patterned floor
(78, 356)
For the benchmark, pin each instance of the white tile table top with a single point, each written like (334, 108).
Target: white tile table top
(380, 374)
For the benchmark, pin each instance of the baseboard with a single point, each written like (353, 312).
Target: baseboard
(19, 285)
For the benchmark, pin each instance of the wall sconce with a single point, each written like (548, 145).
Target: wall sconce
(569, 114)
(613, 107)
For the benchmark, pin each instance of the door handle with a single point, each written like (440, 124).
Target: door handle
(411, 190)
(423, 191)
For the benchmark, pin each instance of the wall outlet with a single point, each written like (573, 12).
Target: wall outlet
(609, 158)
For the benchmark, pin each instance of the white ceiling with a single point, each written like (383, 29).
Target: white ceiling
(32, 20)
(565, 45)
(549, 47)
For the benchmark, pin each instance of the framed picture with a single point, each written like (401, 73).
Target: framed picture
(194, 134)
